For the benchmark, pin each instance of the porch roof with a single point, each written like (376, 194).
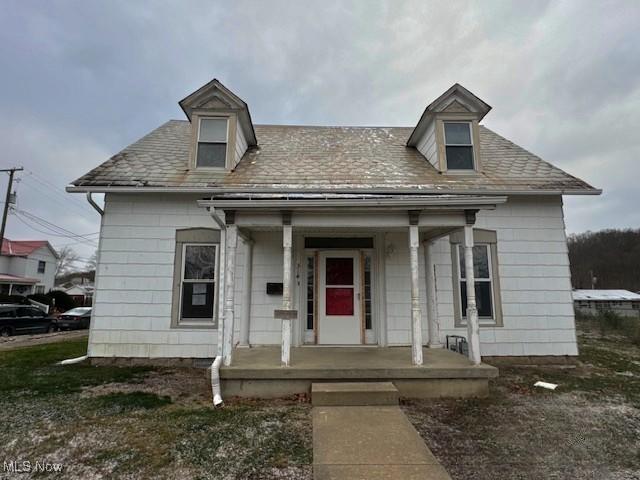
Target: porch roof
(320, 201)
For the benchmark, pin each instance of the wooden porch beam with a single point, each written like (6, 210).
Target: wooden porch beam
(231, 244)
(432, 299)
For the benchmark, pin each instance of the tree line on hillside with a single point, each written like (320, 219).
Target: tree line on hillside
(611, 256)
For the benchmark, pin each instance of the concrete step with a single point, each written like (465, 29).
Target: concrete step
(354, 394)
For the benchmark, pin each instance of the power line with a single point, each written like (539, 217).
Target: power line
(58, 199)
(52, 228)
(61, 192)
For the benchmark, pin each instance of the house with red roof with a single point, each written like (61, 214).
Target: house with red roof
(27, 266)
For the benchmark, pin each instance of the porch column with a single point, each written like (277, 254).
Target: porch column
(286, 315)
(231, 244)
(416, 315)
(432, 300)
(246, 293)
(473, 328)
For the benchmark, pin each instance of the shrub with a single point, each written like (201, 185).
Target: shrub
(19, 299)
(62, 300)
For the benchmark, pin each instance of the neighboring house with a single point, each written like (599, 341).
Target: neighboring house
(82, 294)
(27, 266)
(219, 233)
(76, 278)
(592, 302)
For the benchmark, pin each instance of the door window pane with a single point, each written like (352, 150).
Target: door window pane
(339, 301)
(199, 262)
(367, 292)
(311, 278)
(339, 271)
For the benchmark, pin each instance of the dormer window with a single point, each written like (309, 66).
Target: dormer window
(212, 143)
(458, 145)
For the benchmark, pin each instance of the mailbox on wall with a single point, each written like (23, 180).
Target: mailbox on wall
(274, 288)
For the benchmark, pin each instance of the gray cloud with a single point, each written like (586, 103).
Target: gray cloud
(81, 80)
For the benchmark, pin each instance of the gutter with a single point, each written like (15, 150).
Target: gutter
(248, 190)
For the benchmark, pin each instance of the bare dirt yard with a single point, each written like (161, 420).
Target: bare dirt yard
(588, 428)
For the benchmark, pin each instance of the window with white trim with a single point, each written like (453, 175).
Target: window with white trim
(212, 142)
(483, 273)
(198, 282)
(458, 141)
(42, 265)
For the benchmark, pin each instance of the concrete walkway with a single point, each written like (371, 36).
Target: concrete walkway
(370, 443)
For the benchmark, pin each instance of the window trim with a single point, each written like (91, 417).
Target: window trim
(194, 236)
(490, 281)
(226, 143)
(44, 266)
(469, 125)
(215, 280)
(480, 237)
(451, 117)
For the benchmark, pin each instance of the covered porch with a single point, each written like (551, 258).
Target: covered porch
(346, 219)
(259, 372)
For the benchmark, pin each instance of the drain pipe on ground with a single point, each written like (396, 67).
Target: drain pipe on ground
(216, 390)
(96, 207)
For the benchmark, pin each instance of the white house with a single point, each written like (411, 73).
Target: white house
(219, 234)
(27, 266)
(593, 302)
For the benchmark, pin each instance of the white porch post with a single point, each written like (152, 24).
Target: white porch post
(246, 293)
(287, 235)
(432, 300)
(416, 315)
(473, 328)
(231, 244)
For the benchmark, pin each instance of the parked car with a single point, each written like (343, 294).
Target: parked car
(75, 318)
(17, 319)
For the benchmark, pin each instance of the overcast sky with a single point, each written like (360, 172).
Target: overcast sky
(83, 79)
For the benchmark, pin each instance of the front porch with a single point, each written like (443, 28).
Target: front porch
(258, 371)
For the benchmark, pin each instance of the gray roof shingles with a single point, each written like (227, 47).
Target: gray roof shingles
(327, 158)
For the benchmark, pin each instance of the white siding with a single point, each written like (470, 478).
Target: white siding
(241, 145)
(133, 300)
(132, 306)
(535, 281)
(428, 147)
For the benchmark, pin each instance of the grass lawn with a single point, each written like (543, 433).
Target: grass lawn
(589, 428)
(111, 422)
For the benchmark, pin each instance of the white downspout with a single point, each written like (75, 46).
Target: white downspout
(71, 361)
(216, 389)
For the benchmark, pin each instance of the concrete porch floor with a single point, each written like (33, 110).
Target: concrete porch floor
(257, 371)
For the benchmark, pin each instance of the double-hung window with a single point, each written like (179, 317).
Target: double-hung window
(198, 283)
(458, 145)
(212, 143)
(42, 265)
(483, 273)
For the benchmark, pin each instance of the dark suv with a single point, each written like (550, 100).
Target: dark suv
(17, 319)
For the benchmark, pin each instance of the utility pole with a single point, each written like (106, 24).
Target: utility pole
(11, 172)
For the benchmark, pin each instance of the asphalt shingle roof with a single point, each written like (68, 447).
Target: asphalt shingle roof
(327, 158)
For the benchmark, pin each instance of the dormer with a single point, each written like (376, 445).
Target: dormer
(221, 127)
(448, 133)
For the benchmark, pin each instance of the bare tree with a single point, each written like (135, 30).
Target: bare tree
(92, 263)
(67, 257)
